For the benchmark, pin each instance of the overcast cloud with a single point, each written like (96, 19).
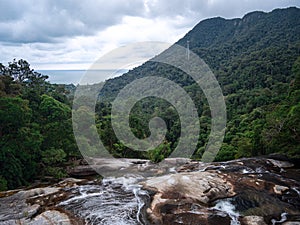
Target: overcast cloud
(72, 34)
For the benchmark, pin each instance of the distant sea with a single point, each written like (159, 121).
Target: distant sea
(79, 76)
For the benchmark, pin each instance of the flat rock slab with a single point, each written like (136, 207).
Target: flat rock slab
(36, 206)
(185, 189)
(204, 187)
(51, 217)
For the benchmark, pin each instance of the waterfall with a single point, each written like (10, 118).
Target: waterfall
(117, 201)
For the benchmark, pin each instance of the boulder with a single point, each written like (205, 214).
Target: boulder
(37, 206)
(278, 189)
(82, 171)
(182, 190)
(51, 217)
(253, 220)
(281, 164)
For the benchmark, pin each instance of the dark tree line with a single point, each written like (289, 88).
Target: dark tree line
(36, 134)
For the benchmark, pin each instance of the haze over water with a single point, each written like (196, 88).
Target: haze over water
(74, 76)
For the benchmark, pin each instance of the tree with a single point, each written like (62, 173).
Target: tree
(52, 159)
(20, 142)
(296, 73)
(227, 152)
(160, 152)
(8, 87)
(56, 126)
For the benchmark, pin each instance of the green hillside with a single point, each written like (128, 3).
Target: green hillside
(255, 62)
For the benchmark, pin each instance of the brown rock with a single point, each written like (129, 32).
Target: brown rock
(199, 186)
(51, 217)
(35, 206)
(278, 189)
(185, 189)
(82, 171)
(253, 220)
(281, 164)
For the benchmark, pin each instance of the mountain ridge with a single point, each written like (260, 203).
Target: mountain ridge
(203, 26)
(253, 59)
(234, 42)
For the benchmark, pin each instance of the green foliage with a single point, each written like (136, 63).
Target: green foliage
(56, 125)
(20, 142)
(53, 110)
(36, 134)
(296, 73)
(255, 60)
(56, 172)
(227, 152)
(160, 152)
(52, 158)
(3, 184)
(8, 87)
(282, 129)
(244, 146)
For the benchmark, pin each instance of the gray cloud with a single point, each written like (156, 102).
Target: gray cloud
(11, 10)
(195, 10)
(51, 20)
(60, 33)
(46, 21)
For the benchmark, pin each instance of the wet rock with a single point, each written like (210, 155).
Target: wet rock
(195, 219)
(82, 171)
(251, 191)
(177, 190)
(278, 189)
(262, 191)
(281, 164)
(15, 206)
(253, 220)
(116, 167)
(38, 192)
(189, 213)
(176, 161)
(189, 167)
(51, 217)
(36, 206)
(71, 182)
(204, 187)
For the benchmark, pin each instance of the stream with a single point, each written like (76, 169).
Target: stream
(239, 192)
(122, 201)
(117, 201)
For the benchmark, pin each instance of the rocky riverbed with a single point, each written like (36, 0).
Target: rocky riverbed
(254, 191)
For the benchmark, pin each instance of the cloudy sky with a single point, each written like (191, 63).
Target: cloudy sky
(72, 34)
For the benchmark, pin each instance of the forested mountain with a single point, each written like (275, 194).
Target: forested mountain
(256, 61)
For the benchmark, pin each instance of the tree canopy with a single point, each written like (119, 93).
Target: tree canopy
(36, 134)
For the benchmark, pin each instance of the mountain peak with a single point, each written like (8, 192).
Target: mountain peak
(253, 15)
(216, 31)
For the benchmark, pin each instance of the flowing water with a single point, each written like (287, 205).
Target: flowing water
(122, 201)
(117, 201)
(225, 205)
